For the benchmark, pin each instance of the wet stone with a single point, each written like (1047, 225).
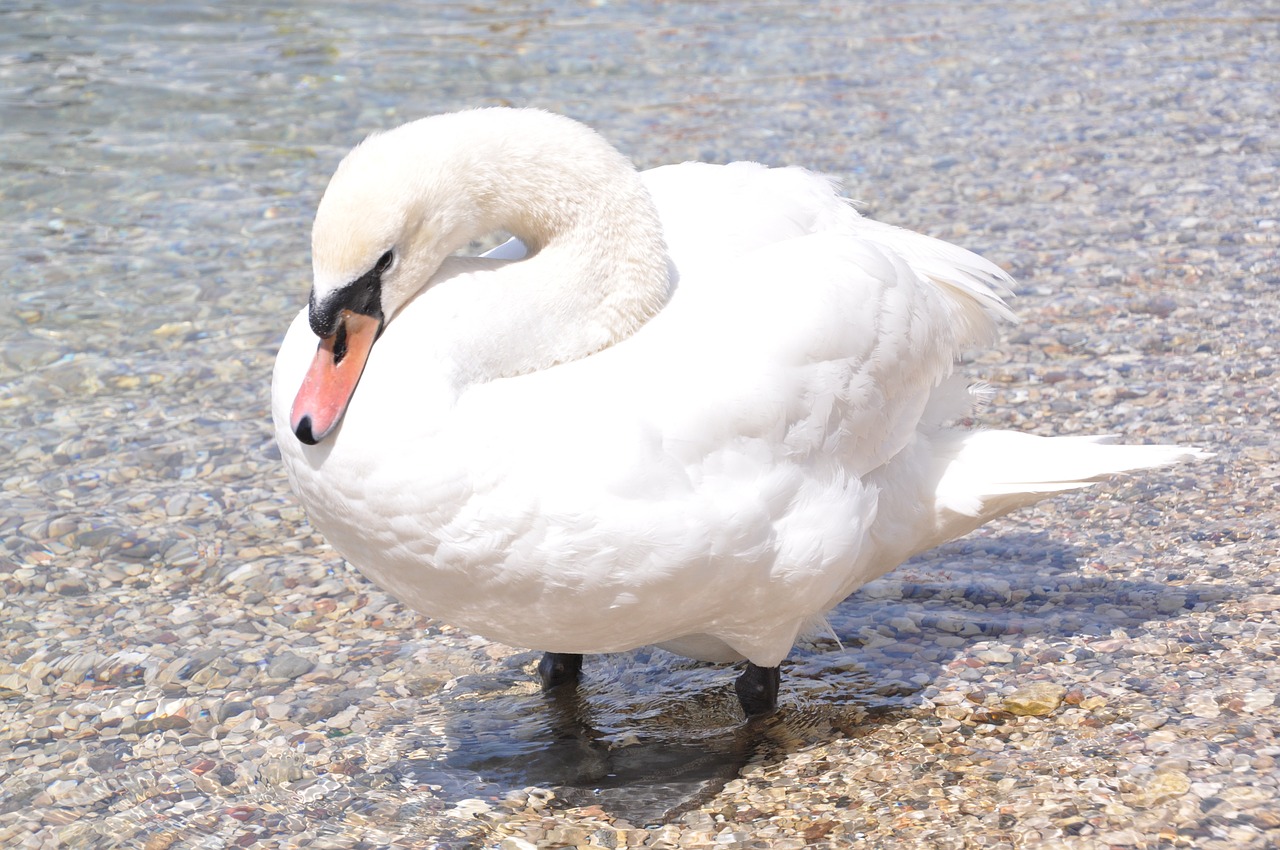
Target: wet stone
(288, 665)
(70, 587)
(1036, 699)
(230, 709)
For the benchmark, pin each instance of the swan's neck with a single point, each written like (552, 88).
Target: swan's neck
(597, 266)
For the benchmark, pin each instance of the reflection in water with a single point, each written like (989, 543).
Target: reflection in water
(645, 753)
(640, 768)
(642, 778)
(649, 735)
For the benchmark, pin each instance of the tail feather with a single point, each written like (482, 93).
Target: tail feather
(976, 279)
(985, 474)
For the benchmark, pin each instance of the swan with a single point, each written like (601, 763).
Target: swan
(695, 407)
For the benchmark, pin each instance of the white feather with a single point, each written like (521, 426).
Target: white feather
(700, 421)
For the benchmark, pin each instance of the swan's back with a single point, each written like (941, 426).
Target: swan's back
(723, 211)
(712, 213)
(784, 288)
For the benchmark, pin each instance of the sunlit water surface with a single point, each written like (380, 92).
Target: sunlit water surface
(161, 163)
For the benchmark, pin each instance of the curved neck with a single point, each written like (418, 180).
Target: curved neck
(597, 268)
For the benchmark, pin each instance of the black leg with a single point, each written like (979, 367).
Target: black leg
(757, 689)
(559, 668)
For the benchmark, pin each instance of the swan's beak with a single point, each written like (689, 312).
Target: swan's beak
(327, 388)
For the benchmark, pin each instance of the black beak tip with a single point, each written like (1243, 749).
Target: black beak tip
(303, 431)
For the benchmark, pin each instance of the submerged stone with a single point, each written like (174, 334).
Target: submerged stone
(1036, 699)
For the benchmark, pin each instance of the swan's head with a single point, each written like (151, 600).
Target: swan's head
(403, 201)
(381, 231)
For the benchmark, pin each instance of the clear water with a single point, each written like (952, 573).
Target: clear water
(159, 166)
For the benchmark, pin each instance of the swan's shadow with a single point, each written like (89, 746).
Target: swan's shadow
(644, 759)
(648, 735)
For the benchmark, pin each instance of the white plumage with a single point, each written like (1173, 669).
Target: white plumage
(700, 421)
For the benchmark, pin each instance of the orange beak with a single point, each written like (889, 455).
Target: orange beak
(330, 382)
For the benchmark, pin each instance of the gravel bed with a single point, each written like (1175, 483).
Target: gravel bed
(184, 663)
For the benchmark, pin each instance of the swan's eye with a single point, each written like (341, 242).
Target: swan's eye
(384, 263)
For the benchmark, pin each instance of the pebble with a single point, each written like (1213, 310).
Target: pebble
(1036, 699)
(1152, 720)
(287, 665)
(1165, 786)
(515, 843)
(1261, 604)
(1258, 700)
(996, 656)
(1203, 705)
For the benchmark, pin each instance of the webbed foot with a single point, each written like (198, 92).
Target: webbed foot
(757, 690)
(559, 668)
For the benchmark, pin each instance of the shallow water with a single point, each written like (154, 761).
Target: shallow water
(160, 166)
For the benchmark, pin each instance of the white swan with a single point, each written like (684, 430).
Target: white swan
(704, 406)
